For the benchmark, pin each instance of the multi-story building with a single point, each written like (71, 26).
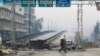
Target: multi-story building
(21, 21)
(6, 17)
(30, 18)
(18, 8)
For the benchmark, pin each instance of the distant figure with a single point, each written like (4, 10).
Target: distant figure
(63, 45)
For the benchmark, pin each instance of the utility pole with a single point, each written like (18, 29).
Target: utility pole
(13, 26)
(80, 22)
(29, 23)
(48, 24)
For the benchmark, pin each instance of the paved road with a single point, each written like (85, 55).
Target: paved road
(88, 52)
(69, 53)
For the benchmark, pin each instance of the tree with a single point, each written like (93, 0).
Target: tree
(37, 25)
(96, 31)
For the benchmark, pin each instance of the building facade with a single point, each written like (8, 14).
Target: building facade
(6, 27)
(21, 18)
(18, 8)
(30, 18)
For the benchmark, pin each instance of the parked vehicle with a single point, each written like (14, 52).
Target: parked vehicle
(70, 45)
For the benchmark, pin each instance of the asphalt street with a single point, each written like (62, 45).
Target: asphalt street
(88, 52)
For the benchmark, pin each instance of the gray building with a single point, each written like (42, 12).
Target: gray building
(6, 16)
(30, 18)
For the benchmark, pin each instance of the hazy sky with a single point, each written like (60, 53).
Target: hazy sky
(66, 18)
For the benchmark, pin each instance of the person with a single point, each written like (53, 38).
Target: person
(63, 45)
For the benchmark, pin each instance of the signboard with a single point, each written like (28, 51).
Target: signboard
(29, 3)
(1, 2)
(45, 3)
(41, 3)
(62, 3)
(12, 2)
(7, 1)
(17, 2)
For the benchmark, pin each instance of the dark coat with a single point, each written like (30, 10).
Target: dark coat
(63, 42)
